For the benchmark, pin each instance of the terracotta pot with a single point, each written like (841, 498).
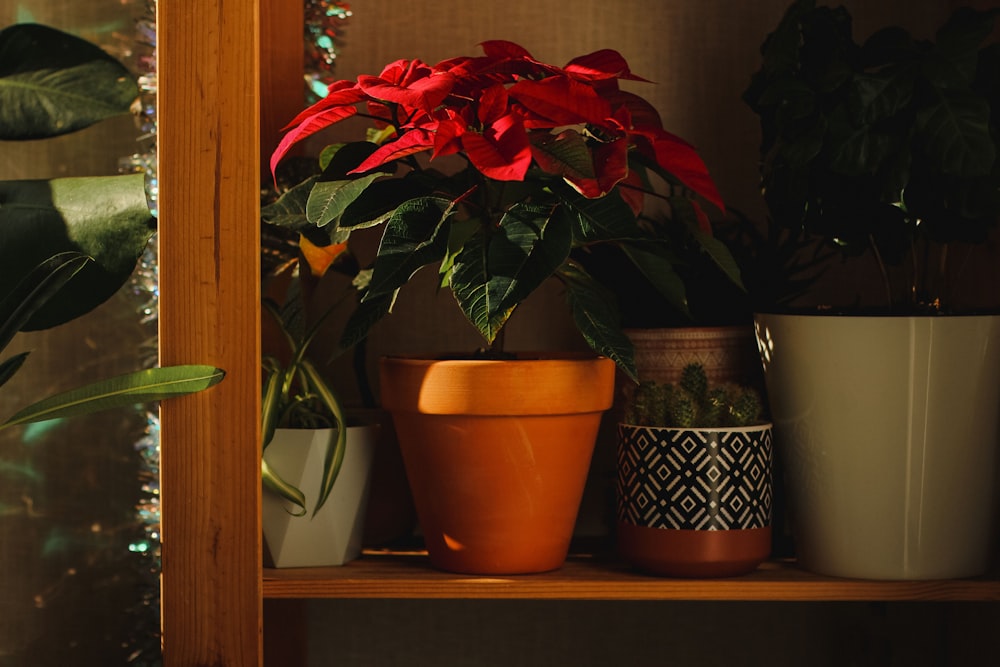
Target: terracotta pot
(728, 353)
(497, 454)
(694, 502)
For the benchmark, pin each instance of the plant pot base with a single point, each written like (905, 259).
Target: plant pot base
(694, 553)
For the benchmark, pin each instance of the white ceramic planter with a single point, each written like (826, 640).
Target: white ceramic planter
(334, 535)
(888, 429)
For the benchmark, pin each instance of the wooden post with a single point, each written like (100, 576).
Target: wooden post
(208, 73)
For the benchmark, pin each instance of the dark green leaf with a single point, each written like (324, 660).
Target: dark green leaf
(494, 273)
(105, 217)
(53, 83)
(414, 236)
(654, 263)
(606, 218)
(955, 133)
(8, 367)
(367, 314)
(34, 290)
(597, 318)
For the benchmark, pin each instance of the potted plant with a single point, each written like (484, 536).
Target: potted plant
(309, 449)
(884, 399)
(66, 245)
(547, 163)
(694, 478)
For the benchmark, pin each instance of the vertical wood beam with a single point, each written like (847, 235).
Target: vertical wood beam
(208, 168)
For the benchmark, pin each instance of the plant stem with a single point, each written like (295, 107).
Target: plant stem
(882, 270)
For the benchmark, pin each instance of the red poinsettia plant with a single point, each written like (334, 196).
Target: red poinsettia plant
(503, 171)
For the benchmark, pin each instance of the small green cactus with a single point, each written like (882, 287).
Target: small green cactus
(692, 403)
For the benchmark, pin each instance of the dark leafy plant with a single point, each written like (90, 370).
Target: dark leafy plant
(502, 170)
(693, 403)
(887, 147)
(67, 245)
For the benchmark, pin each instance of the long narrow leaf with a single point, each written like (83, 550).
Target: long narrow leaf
(334, 458)
(273, 482)
(34, 290)
(144, 386)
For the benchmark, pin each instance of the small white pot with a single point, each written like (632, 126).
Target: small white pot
(334, 535)
(888, 431)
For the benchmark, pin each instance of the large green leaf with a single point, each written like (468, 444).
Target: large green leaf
(53, 83)
(597, 318)
(414, 236)
(104, 217)
(494, 273)
(144, 386)
(955, 133)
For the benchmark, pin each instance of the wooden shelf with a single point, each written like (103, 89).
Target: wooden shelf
(396, 574)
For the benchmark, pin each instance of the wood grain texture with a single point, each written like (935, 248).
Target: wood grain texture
(402, 576)
(209, 313)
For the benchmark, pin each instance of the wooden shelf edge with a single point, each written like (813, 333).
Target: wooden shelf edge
(410, 576)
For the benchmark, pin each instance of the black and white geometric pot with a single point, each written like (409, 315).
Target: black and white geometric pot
(694, 502)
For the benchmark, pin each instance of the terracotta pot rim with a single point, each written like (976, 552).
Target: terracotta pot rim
(562, 384)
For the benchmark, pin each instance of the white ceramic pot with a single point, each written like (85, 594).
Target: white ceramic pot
(888, 429)
(334, 535)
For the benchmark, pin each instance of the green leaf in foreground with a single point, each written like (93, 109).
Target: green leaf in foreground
(144, 386)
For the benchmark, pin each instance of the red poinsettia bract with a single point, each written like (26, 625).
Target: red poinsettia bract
(505, 111)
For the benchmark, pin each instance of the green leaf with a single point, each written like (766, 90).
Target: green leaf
(144, 386)
(414, 236)
(653, 261)
(879, 95)
(34, 290)
(53, 83)
(334, 458)
(596, 316)
(566, 154)
(270, 406)
(367, 314)
(329, 199)
(956, 134)
(606, 218)
(105, 217)
(275, 483)
(494, 273)
(8, 367)
(720, 256)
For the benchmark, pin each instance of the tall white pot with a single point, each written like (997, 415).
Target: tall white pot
(889, 428)
(332, 536)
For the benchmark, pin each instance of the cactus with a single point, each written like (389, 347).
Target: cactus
(692, 403)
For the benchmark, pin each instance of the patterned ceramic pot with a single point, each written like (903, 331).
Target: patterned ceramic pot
(694, 502)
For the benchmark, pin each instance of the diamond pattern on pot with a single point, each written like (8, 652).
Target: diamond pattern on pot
(694, 479)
